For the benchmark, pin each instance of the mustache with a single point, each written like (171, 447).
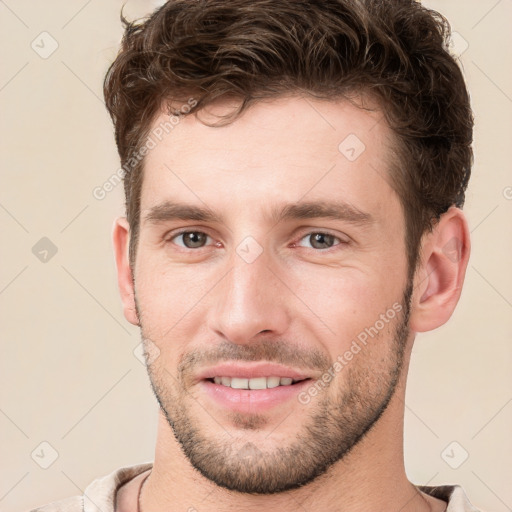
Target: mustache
(263, 350)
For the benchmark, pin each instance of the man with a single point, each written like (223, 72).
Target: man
(294, 177)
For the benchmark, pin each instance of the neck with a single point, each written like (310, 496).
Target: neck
(370, 477)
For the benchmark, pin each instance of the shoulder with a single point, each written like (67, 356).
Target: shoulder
(99, 495)
(454, 495)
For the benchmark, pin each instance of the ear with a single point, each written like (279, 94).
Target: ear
(121, 239)
(438, 280)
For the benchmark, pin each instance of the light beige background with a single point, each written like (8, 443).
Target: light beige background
(69, 376)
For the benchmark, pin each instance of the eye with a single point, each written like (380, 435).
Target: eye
(319, 241)
(190, 239)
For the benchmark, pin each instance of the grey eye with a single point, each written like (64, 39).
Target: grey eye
(191, 239)
(321, 240)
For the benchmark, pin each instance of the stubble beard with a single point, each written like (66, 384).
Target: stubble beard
(334, 426)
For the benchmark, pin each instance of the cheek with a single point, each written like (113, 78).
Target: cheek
(168, 300)
(348, 302)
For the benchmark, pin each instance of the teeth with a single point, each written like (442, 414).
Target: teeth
(237, 383)
(254, 383)
(273, 382)
(258, 383)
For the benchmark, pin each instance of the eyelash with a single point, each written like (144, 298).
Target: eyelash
(294, 244)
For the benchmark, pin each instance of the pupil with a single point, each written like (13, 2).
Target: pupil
(322, 239)
(194, 239)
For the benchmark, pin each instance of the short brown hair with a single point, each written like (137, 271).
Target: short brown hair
(393, 50)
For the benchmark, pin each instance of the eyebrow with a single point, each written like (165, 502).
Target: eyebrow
(170, 210)
(339, 210)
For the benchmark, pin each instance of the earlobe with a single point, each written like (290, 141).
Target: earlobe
(121, 239)
(440, 274)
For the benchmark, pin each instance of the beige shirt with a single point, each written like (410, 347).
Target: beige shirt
(100, 495)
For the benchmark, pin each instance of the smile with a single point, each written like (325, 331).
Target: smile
(255, 382)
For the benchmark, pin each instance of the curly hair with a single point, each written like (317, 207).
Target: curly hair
(395, 51)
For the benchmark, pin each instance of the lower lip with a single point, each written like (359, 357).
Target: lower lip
(252, 400)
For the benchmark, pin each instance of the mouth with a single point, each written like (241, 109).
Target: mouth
(252, 387)
(255, 382)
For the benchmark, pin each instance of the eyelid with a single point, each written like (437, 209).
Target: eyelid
(171, 235)
(343, 239)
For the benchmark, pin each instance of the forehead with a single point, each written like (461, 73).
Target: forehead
(278, 151)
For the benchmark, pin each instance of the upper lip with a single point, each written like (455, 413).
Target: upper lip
(252, 370)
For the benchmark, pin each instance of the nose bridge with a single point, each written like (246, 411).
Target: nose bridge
(247, 301)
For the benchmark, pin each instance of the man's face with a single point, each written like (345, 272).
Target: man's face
(271, 249)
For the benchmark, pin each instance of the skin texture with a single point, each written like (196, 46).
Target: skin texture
(282, 297)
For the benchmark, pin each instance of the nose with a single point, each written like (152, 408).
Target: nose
(248, 301)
